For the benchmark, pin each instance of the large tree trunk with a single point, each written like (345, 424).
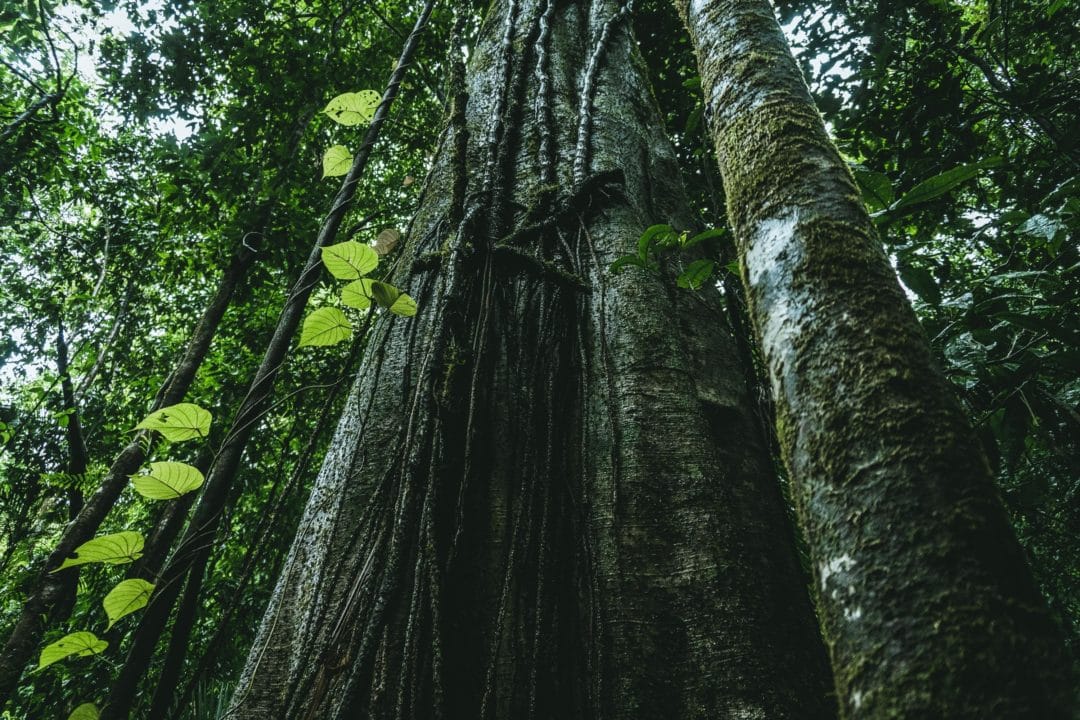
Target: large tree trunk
(926, 601)
(546, 496)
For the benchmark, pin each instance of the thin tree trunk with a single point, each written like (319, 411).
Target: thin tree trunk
(197, 542)
(925, 598)
(78, 459)
(546, 496)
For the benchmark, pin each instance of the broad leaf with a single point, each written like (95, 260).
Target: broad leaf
(404, 306)
(178, 422)
(86, 711)
(79, 644)
(357, 294)
(167, 480)
(126, 598)
(115, 549)
(696, 274)
(325, 326)
(336, 161)
(876, 188)
(939, 185)
(349, 260)
(353, 108)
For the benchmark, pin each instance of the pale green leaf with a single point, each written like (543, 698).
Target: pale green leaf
(86, 711)
(167, 480)
(349, 260)
(79, 644)
(126, 598)
(336, 161)
(353, 108)
(404, 306)
(357, 294)
(115, 549)
(178, 422)
(325, 326)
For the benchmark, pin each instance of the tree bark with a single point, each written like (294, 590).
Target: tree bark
(547, 496)
(926, 601)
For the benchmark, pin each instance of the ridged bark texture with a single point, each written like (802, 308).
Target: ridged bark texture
(926, 601)
(546, 497)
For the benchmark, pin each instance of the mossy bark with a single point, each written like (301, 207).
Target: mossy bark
(547, 496)
(926, 602)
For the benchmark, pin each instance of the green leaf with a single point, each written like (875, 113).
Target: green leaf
(357, 294)
(325, 326)
(876, 188)
(703, 236)
(336, 161)
(654, 233)
(177, 423)
(349, 260)
(939, 185)
(353, 108)
(627, 260)
(86, 711)
(115, 549)
(126, 598)
(404, 306)
(167, 480)
(79, 644)
(921, 283)
(696, 274)
(384, 293)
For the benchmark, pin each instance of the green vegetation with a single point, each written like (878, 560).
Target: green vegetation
(217, 217)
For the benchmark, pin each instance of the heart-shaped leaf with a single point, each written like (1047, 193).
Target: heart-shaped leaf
(79, 644)
(115, 549)
(353, 108)
(358, 294)
(325, 326)
(126, 598)
(404, 306)
(167, 480)
(336, 161)
(349, 260)
(178, 422)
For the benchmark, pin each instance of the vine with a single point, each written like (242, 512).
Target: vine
(170, 480)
